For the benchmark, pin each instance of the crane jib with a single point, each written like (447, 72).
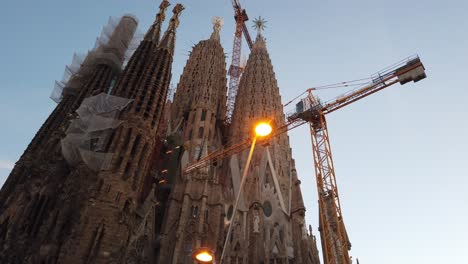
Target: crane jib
(413, 70)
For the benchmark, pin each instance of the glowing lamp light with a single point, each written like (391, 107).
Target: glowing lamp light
(263, 129)
(203, 255)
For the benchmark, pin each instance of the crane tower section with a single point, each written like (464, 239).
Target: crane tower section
(335, 241)
(235, 70)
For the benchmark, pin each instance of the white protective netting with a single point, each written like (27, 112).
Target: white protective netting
(134, 43)
(88, 134)
(111, 48)
(70, 70)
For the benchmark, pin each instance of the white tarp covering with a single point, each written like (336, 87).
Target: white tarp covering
(87, 135)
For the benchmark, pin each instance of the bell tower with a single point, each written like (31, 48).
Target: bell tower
(195, 210)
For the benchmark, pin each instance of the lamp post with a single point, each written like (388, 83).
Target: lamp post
(262, 129)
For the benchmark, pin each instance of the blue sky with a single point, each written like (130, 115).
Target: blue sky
(400, 155)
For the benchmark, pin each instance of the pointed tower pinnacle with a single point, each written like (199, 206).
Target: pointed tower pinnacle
(218, 23)
(259, 25)
(154, 32)
(168, 40)
(258, 95)
(127, 84)
(199, 104)
(200, 84)
(271, 194)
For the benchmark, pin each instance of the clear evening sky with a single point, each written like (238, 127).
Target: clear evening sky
(400, 155)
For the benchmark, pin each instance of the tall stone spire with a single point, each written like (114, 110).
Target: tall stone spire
(154, 32)
(116, 214)
(258, 96)
(150, 92)
(59, 213)
(194, 215)
(207, 57)
(127, 85)
(39, 194)
(266, 228)
(168, 40)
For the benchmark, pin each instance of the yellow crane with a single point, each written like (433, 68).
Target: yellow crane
(335, 241)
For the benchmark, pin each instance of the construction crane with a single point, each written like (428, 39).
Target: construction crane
(235, 69)
(335, 242)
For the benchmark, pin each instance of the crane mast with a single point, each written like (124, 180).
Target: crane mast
(335, 242)
(235, 70)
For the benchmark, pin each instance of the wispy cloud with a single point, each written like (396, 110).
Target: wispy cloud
(6, 164)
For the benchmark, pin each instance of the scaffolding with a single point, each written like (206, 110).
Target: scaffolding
(87, 136)
(115, 45)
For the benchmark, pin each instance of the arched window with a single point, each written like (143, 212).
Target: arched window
(200, 132)
(139, 169)
(203, 115)
(194, 211)
(197, 152)
(135, 144)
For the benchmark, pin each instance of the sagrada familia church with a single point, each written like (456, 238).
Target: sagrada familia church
(102, 180)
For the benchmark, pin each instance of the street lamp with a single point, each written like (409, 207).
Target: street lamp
(262, 129)
(203, 255)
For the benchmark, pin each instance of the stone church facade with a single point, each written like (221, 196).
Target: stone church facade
(102, 181)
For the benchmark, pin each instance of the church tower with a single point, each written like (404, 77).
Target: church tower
(98, 185)
(32, 197)
(74, 195)
(269, 225)
(195, 210)
(116, 227)
(95, 74)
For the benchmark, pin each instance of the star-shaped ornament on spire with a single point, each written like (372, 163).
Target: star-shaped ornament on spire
(217, 24)
(259, 25)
